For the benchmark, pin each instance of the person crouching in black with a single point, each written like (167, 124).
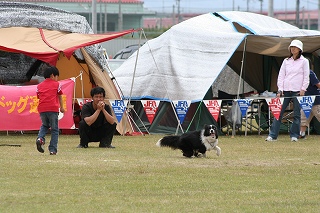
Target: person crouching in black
(97, 123)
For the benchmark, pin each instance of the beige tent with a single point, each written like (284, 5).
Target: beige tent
(91, 75)
(33, 36)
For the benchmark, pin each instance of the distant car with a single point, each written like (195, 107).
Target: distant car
(126, 52)
(115, 63)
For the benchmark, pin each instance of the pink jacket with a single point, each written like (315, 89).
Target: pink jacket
(294, 75)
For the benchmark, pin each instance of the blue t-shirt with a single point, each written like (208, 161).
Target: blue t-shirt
(312, 88)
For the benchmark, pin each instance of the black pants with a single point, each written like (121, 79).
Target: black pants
(102, 134)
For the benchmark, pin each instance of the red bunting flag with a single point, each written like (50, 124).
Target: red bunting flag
(214, 107)
(82, 101)
(275, 105)
(150, 108)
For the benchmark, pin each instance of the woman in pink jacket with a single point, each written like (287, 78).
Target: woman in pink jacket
(293, 80)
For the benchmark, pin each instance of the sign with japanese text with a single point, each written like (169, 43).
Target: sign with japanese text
(150, 107)
(19, 107)
(181, 108)
(306, 103)
(275, 105)
(213, 107)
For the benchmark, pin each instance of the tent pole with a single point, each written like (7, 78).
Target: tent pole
(129, 101)
(82, 89)
(129, 116)
(132, 82)
(194, 116)
(135, 112)
(239, 85)
(74, 95)
(135, 67)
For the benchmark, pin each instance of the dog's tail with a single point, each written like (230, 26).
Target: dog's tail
(169, 141)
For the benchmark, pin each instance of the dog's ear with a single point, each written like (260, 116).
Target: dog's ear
(205, 126)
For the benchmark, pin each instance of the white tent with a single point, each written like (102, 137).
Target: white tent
(185, 61)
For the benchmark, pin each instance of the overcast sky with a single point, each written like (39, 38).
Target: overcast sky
(219, 5)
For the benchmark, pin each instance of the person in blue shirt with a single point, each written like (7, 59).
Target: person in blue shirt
(313, 89)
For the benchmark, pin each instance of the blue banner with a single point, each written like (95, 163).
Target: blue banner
(181, 108)
(244, 104)
(118, 107)
(306, 103)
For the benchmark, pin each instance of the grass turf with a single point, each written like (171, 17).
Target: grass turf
(251, 175)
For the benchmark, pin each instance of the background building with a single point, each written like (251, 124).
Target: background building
(307, 19)
(111, 15)
(117, 15)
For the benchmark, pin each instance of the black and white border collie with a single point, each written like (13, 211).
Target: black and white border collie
(194, 143)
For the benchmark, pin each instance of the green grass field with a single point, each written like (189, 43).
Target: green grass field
(251, 175)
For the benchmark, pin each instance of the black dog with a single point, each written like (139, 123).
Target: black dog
(194, 143)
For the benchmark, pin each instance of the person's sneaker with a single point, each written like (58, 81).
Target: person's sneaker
(270, 139)
(40, 143)
(294, 139)
(53, 153)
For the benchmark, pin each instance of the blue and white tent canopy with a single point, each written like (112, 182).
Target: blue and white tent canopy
(185, 61)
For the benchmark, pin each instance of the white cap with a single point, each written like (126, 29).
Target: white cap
(296, 43)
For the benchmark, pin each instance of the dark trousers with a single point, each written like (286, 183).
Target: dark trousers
(102, 134)
(295, 127)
